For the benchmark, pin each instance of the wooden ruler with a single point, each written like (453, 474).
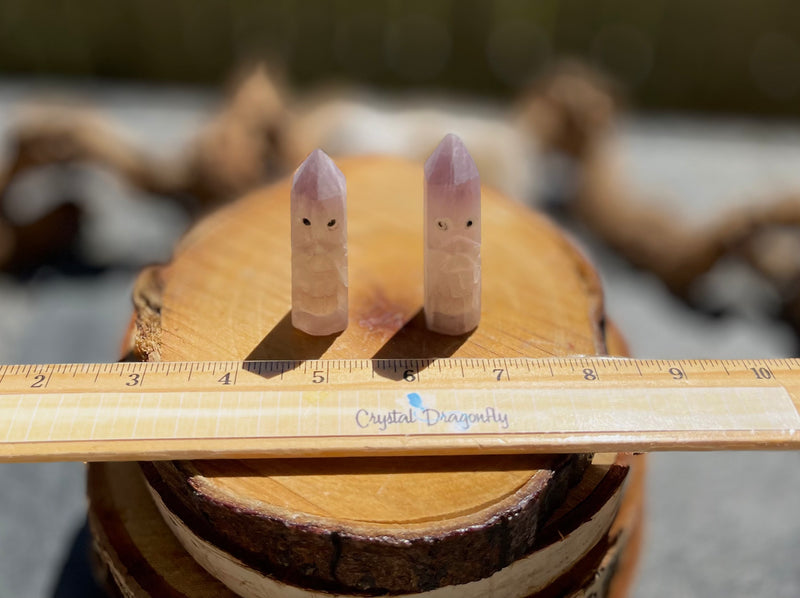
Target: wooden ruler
(128, 411)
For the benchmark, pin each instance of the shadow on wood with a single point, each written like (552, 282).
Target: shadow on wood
(286, 343)
(416, 341)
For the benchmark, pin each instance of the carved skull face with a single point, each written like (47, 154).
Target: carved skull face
(453, 216)
(319, 225)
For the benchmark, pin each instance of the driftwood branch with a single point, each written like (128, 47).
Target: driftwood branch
(573, 111)
(242, 146)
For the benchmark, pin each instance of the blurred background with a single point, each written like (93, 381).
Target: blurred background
(716, 56)
(662, 135)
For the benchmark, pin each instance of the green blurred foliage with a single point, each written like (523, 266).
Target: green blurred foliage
(714, 55)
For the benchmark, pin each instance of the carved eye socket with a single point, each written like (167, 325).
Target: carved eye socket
(306, 221)
(469, 223)
(442, 224)
(332, 223)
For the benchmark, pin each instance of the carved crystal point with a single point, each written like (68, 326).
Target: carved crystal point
(319, 246)
(452, 239)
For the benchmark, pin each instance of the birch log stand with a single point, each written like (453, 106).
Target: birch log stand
(489, 526)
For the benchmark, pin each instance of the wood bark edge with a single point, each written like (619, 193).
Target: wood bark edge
(332, 560)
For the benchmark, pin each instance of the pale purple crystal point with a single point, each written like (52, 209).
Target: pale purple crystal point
(318, 178)
(452, 239)
(450, 163)
(319, 246)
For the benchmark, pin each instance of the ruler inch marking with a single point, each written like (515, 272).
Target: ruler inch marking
(46, 381)
(742, 404)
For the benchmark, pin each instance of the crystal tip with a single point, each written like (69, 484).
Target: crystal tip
(450, 163)
(318, 177)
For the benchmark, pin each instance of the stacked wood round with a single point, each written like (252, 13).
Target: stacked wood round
(493, 526)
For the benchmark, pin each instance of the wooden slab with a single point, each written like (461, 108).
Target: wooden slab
(363, 525)
(140, 557)
(426, 522)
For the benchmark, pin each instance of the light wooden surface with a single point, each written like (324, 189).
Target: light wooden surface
(226, 295)
(373, 496)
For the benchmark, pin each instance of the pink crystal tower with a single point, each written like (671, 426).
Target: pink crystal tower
(319, 246)
(452, 239)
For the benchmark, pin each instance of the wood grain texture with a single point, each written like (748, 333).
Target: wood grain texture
(368, 526)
